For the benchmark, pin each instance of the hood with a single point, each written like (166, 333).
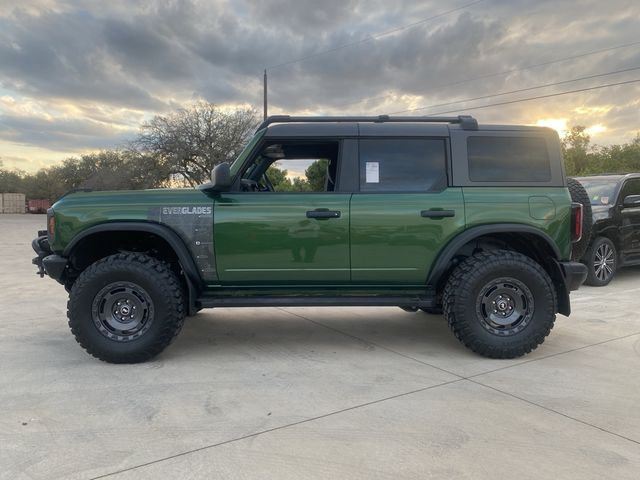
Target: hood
(128, 197)
(601, 212)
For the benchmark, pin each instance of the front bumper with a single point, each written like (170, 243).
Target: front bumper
(47, 262)
(575, 273)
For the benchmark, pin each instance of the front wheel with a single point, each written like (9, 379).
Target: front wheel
(500, 304)
(126, 308)
(602, 261)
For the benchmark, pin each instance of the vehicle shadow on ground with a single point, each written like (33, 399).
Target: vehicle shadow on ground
(215, 332)
(622, 275)
(627, 272)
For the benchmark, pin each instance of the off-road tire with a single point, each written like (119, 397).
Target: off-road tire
(599, 248)
(580, 195)
(153, 277)
(464, 291)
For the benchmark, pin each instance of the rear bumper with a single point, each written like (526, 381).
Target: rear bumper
(47, 262)
(575, 273)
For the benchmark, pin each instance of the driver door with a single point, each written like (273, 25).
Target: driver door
(286, 223)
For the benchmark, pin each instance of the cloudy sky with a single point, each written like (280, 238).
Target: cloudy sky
(78, 76)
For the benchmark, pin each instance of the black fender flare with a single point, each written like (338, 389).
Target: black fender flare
(610, 230)
(174, 241)
(446, 255)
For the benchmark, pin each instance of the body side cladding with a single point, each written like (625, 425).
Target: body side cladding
(554, 268)
(192, 277)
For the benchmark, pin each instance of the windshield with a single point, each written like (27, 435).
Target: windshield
(601, 192)
(235, 166)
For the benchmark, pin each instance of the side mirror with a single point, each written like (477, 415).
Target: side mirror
(221, 177)
(631, 201)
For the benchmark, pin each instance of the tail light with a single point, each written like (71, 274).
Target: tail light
(51, 224)
(577, 215)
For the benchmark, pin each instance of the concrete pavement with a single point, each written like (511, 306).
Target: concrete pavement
(354, 393)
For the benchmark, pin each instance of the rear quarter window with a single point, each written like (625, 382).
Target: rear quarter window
(508, 159)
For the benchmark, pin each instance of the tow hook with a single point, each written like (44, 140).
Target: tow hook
(42, 252)
(38, 262)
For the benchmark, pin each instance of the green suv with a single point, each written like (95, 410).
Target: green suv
(431, 213)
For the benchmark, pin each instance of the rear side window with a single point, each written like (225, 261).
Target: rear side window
(402, 165)
(508, 159)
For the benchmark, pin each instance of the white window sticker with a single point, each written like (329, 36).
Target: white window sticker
(372, 170)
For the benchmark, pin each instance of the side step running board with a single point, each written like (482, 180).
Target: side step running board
(311, 301)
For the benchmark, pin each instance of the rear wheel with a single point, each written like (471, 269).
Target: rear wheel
(602, 262)
(126, 308)
(500, 304)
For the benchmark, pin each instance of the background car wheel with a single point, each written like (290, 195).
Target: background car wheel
(500, 304)
(126, 308)
(580, 195)
(602, 261)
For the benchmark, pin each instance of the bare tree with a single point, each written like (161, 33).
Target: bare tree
(191, 141)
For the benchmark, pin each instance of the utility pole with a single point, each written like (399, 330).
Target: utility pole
(264, 94)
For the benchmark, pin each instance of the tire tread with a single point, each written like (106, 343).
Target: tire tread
(457, 291)
(164, 278)
(580, 195)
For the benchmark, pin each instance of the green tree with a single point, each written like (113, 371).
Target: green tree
(282, 183)
(623, 158)
(196, 138)
(300, 185)
(278, 178)
(188, 142)
(576, 150)
(106, 170)
(45, 183)
(317, 175)
(11, 180)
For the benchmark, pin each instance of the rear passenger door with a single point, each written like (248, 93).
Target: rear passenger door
(403, 212)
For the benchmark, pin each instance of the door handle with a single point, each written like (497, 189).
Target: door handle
(433, 213)
(323, 213)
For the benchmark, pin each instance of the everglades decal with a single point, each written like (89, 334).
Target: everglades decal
(187, 210)
(194, 224)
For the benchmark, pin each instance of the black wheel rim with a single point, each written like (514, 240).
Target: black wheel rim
(604, 262)
(505, 306)
(122, 311)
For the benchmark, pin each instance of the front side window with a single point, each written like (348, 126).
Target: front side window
(306, 175)
(508, 159)
(292, 166)
(402, 165)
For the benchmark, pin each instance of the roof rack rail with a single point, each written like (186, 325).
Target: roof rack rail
(467, 122)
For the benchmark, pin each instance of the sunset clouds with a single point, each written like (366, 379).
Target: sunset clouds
(78, 76)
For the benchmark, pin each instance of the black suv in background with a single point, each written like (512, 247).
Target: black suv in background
(615, 237)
